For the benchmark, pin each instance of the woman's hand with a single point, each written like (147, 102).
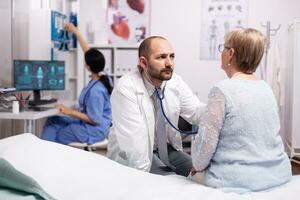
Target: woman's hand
(63, 109)
(193, 171)
(74, 113)
(70, 27)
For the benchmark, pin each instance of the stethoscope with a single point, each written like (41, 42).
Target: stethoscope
(161, 97)
(83, 109)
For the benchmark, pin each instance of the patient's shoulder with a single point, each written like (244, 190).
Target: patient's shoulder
(223, 83)
(225, 87)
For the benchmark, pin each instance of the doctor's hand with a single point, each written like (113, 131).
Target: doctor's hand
(63, 109)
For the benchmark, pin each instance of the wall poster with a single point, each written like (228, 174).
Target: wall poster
(219, 17)
(128, 21)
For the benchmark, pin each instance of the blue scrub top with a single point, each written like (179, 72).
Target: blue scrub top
(94, 101)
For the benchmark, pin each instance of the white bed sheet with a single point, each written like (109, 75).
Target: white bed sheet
(69, 174)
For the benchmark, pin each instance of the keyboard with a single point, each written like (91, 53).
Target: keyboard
(42, 102)
(7, 90)
(38, 109)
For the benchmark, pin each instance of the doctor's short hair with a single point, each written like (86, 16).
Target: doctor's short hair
(249, 45)
(95, 60)
(145, 46)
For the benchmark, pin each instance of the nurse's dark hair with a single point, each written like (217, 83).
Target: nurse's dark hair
(96, 62)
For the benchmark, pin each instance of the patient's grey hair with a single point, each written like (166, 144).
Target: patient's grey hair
(249, 45)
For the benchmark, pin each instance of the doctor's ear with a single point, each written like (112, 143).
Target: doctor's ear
(143, 63)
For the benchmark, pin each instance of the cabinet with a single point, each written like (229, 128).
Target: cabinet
(120, 59)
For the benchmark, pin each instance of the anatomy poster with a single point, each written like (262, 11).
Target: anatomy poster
(219, 17)
(128, 21)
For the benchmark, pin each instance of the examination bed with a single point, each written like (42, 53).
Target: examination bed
(66, 173)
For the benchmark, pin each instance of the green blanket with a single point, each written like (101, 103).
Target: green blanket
(16, 185)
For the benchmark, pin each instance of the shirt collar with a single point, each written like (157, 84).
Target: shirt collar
(151, 88)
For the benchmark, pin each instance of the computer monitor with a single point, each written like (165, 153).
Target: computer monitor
(39, 75)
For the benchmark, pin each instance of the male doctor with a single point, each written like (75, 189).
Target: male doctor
(141, 137)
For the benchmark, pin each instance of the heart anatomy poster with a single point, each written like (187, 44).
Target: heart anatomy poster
(128, 21)
(218, 18)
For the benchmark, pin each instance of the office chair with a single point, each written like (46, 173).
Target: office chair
(90, 147)
(186, 139)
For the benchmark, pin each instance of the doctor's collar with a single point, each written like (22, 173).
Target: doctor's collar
(151, 88)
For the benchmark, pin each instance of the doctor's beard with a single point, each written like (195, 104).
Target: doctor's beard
(162, 75)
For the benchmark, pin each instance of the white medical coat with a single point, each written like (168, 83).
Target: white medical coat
(131, 137)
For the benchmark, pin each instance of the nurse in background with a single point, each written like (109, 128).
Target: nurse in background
(92, 122)
(238, 147)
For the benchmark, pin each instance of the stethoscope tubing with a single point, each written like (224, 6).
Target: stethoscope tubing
(168, 120)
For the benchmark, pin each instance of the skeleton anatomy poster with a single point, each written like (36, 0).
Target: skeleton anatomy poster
(219, 17)
(128, 21)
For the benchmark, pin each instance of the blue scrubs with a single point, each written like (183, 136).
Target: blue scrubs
(94, 101)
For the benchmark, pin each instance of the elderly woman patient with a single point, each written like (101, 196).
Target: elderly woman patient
(238, 147)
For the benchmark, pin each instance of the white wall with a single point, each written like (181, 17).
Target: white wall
(91, 18)
(180, 22)
(177, 20)
(6, 42)
(5, 57)
(20, 29)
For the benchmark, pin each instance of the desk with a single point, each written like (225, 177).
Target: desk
(30, 117)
